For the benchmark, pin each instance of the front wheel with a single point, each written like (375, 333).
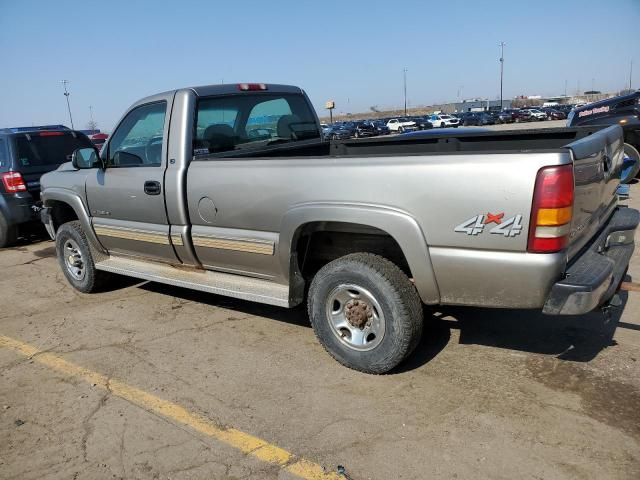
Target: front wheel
(401, 129)
(442, 125)
(365, 312)
(76, 261)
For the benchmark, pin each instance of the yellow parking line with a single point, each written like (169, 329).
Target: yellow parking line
(242, 441)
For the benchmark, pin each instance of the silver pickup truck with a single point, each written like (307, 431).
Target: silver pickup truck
(231, 189)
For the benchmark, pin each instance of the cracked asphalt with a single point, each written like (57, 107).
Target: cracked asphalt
(488, 395)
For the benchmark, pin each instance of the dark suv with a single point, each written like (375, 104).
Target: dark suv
(26, 153)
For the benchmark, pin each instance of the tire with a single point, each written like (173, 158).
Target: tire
(392, 311)
(441, 124)
(71, 242)
(400, 129)
(357, 134)
(8, 233)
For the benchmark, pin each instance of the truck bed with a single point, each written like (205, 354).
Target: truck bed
(421, 143)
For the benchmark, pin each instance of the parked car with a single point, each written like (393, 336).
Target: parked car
(401, 125)
(477, 119)
(422, 123)
(26, 153)
(367, 232)
(98, 139)
(338, 131)
(505, 116)
(363, 129)
(623, 110)
(535, 114)
(553, 114)
(443, 121)
(380, 127)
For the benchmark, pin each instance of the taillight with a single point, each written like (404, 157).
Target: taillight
(13, 182)
(251, 86)
(552, 210)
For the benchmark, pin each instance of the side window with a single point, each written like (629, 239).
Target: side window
(3, 153)
(137, 142)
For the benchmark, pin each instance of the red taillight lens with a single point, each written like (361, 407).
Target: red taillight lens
(13, 182)
(251, 87)
(551, 211)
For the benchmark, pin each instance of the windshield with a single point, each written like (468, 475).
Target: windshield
(48, 148)
(243, 121)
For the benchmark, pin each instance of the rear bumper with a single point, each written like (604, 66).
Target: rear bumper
(18, 208)
(593, 278)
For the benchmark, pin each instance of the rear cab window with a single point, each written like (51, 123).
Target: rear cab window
(40, 149)
(252, 121)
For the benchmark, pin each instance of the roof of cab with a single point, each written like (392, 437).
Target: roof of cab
(212, 90)
(233, 88)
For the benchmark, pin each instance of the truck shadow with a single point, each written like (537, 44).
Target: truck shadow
(570, 338)
(573, 338)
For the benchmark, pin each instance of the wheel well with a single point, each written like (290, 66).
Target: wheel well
(61, 213)
(319, 243)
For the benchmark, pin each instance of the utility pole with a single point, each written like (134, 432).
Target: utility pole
(404, 71)
(460, 91)
(630, 73)
(66, 94)
(565, 88)
(502, 45)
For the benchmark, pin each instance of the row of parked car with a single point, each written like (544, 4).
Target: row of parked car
(513, 115)
(385, 126)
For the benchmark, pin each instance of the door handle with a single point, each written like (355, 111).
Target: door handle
(152, 187)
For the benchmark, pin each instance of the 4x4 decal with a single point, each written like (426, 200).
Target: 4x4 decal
(509, 227)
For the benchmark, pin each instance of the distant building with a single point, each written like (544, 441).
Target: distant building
(477, 105)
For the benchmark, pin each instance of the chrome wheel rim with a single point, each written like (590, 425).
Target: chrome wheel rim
(355, 317)
(73, 259)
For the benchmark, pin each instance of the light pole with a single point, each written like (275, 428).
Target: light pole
(404, 71)
(630, 73)
(66, 94)
(502, 44)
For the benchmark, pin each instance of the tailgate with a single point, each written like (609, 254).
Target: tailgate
(597, 160)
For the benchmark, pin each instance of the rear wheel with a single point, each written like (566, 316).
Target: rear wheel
(76, 261)
(441, 124)
(365, 312)
(8, 233)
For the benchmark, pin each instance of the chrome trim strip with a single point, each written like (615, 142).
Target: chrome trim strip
(132, 234)
(260, 247)
(176, 239)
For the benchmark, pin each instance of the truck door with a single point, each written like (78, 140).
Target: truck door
(126, 199)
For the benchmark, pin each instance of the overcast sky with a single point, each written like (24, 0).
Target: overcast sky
(353, 52)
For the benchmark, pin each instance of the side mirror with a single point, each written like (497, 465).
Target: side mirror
(83, 158)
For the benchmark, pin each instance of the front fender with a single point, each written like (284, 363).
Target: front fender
(400, 225)
(71, 198)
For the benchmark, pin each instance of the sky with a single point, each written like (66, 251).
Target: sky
(353, 52)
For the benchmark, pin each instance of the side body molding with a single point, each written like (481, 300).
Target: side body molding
(400, 225)
(72, 199)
